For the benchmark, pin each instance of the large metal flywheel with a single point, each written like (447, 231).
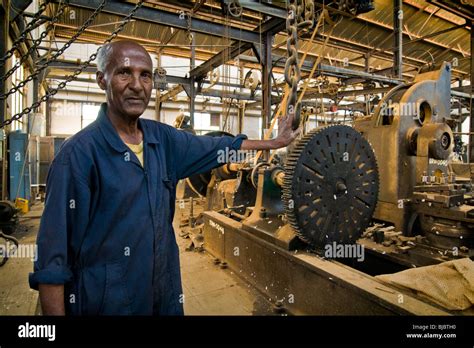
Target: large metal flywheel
(331, 186)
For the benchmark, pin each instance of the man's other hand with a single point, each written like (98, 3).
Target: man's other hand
(286, 134)
(52, 299)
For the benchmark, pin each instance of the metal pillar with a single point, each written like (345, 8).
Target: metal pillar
(192, 86)
(459, 124)
(48, 118)
(158, 91)
(31, 117)
(367, 68)
(240, 121)
(266, 81)
(398, 37)
(471, 116)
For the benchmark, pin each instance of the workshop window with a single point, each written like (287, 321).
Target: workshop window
(215, 120)
(202, 123)
(18, 98)
(89, 114)
(265, 129)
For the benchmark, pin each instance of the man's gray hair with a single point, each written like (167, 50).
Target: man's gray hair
(103, 57)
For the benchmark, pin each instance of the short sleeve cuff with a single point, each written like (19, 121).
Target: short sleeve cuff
(237, 141)
(60, 275)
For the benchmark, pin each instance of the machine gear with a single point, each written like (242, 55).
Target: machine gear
(331, 186)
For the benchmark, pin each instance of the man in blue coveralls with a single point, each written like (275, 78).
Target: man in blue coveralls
(106, 244)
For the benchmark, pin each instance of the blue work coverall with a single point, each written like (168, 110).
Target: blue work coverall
(106, 232)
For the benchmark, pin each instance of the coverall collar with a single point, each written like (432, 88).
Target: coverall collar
(112, 137)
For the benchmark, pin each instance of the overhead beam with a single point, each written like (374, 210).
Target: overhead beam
(169, 78)
(66, 65)
(456, 7)
(366, 22)
(337, 42)
(219, 59)
(69, 65)
(234, 95)
(169, 19)
(351, 93)
(354, 73)
(436, 33)
(329, 69)
(271, 26)
(264, 8)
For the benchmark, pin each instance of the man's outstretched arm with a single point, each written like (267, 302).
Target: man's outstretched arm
(197, 154)
(285, 136)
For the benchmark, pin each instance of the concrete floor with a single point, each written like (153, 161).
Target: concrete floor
(208, 289)
(16, 297)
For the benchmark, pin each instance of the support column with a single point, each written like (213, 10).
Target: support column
(241, 108)
(459, 124)
(266, 81)
(48, 117)
(471, 113)
(192, 90)
(398, 38)
(158, 91)
(367, 68)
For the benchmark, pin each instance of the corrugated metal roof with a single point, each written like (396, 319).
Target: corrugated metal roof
(368, 32)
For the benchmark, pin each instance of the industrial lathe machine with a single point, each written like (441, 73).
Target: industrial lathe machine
(312, 228)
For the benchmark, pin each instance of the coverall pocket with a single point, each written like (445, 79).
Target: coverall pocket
(92, 287)
(116, 298)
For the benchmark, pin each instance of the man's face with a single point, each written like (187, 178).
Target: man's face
(128, 81)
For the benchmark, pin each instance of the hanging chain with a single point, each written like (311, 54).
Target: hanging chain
(35, 44)
(78, 71)
(23, 35)
(300, 16)
(292, 70)
(188, 29)
(308, 15)
(43, 66)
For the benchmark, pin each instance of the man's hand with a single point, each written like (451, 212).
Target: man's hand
(285, 136)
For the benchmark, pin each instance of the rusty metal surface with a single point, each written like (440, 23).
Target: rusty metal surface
(401, 139)
(300, 282)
